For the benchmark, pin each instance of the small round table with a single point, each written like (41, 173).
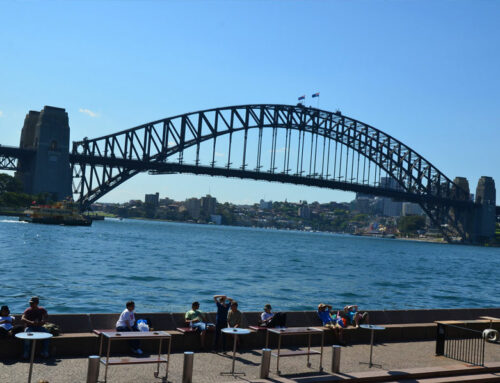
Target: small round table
(33, 336)
(234, 331)
(371, 327)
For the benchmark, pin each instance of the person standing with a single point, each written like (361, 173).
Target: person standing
(223, 303)
(234, 319)
(126, 322)
(234, 316)
(34, 317)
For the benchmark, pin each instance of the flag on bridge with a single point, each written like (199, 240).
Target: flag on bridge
(302, 97)
(315, 95)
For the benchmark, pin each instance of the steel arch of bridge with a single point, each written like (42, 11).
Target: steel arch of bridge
(321, 148)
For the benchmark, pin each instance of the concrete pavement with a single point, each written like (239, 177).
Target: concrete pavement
(207, 366)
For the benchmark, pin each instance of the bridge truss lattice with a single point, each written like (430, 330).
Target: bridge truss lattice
(283, 143)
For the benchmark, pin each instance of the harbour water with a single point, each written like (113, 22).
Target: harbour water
(164, 266)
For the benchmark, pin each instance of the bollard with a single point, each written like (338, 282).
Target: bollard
(93, 371)
(265, 363)
(336, 358)
(187, 371)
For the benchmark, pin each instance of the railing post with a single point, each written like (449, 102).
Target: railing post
(187, 371)
(93, 369)
(440, 337)
(336, 358)
(265, 363)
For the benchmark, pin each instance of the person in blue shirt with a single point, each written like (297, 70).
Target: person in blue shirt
(353, 316)
(333, 321)
(223, 304)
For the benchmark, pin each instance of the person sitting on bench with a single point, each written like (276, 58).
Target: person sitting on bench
(333, 321)
(353, 317)
(195, 319)
(6, 323)
(34, 317)
(270, 319)
(126, 323)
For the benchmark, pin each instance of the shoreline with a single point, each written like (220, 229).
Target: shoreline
(435, 240)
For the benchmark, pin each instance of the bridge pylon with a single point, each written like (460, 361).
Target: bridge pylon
(48, 171)
(484, 211)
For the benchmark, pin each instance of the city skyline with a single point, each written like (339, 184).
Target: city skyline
(425, 74)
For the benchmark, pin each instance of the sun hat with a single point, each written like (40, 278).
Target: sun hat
(321, 305)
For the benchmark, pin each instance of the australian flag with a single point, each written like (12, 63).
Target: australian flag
(302, 98)
(315, 95)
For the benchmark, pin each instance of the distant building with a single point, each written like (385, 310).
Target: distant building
(389, 183)
(152, 199)
(265, 205)
(410, 208)
(193, 207)
(390, 208)
(208, 204)
(166, 201)
(216, 218)
(363, 203)
(304, 211)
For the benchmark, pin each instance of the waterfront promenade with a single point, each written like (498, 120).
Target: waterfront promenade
(207, 366)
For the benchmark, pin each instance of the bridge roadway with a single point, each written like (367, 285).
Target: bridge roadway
(10, 154)
(172, 167)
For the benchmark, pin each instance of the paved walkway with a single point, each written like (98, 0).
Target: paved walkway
(207, 366)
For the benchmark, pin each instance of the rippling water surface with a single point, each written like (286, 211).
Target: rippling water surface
(165, 266)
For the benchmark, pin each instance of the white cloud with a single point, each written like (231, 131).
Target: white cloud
(88, 112)
(1, 113)
(217, 154)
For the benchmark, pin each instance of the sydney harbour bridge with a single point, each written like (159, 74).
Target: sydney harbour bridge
(282, 143)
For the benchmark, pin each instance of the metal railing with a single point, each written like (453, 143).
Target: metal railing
(460, 343)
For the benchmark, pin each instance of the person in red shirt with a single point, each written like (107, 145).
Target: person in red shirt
(34, 317)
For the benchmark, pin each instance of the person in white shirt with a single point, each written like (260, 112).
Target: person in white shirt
(126, 322)
(270, 319)
(6, 321)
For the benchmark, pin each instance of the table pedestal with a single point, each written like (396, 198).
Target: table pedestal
(234, 332)
(33, 337)
(372, 328)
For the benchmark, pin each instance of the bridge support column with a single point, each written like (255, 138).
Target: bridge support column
(485, 211)
(49, 170)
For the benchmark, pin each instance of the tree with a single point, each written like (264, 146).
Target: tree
(410, 224)
(10, 184)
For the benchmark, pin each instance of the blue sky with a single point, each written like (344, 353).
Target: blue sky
(425, 72)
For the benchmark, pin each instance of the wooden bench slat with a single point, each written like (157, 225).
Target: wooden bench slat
(185, 330)
(295, 353)
(115, 361)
